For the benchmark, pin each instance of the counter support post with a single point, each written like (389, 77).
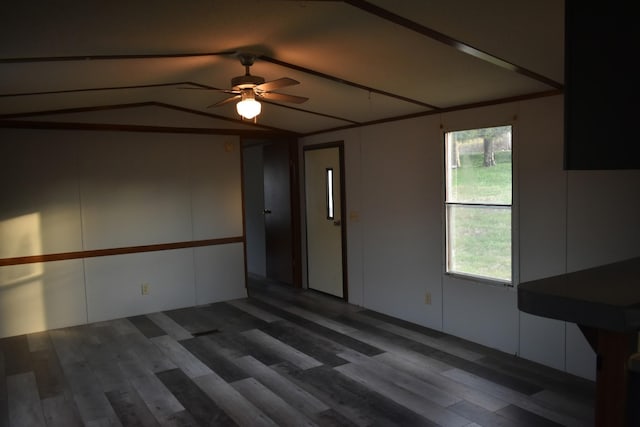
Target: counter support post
(613, 350)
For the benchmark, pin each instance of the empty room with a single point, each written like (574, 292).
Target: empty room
(331, 213)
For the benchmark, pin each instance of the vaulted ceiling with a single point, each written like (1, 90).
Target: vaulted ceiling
(135, 63)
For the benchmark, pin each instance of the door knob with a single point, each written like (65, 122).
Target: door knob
(266, 211)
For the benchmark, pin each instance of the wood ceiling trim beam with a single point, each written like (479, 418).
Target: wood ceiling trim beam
(198, 85)
(449, 41)
(110, 57)
(302, 110)
(345, 82)
(75, 110)
(9, 120)
(95, 89)
(536, 95)
(279, 130)
(315, 113)
(229, 119)
(28, 124)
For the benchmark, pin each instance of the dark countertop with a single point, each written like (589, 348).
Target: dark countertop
(604, 297)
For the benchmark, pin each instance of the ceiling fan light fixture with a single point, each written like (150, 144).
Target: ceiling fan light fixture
(248, 107)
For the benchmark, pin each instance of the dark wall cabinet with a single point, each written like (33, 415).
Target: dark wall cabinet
(602, 123)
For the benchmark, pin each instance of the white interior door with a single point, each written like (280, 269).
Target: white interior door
(324, 220)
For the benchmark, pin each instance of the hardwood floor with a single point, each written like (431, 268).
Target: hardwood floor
(280, 357)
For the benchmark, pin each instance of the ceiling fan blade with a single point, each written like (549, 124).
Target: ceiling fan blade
(276, 84)
(210, 88)
(272, 96)
(225, 101)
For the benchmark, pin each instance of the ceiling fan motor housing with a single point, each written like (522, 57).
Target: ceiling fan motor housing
(246, 81)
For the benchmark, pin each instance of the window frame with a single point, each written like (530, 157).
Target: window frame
(513, 207)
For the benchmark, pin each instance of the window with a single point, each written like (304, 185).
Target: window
(478, 198)
(330, 202)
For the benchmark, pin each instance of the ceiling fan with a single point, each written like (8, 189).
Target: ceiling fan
(248, 89)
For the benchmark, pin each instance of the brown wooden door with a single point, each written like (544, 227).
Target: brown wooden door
(279, 223)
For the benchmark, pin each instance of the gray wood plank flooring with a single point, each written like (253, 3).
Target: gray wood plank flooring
(281, 357)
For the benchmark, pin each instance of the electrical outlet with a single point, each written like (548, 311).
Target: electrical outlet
(427, 298)
(144, 289)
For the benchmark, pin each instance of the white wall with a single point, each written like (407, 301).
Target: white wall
(564, 221)
(542, 182)
(68, 191)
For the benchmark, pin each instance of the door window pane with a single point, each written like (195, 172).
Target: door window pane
(330, 202)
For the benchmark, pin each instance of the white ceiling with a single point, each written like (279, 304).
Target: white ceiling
(358, 61)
